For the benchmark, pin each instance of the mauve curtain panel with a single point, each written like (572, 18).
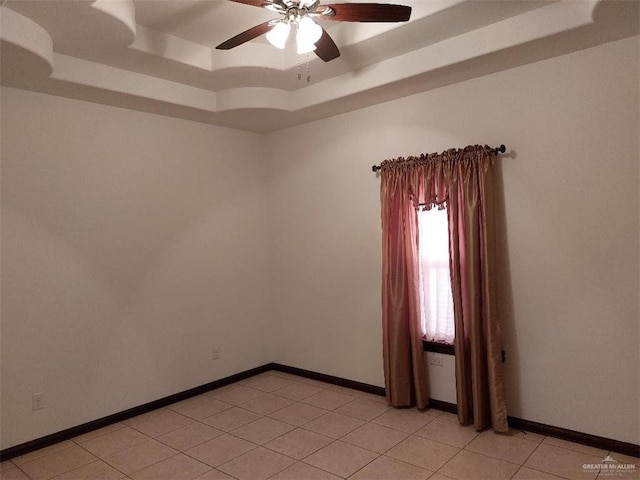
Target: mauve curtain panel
(462, 179)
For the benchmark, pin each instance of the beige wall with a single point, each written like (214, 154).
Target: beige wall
(133, 243)
(570, 236)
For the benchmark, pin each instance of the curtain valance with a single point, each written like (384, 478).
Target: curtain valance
(428, 177)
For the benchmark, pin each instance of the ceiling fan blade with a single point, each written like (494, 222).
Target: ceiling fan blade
(246, 36)
(368, 12)
(255, 3)
(326, 48)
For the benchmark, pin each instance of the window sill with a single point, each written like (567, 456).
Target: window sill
(437, 347)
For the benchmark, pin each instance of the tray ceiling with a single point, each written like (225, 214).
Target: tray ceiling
(159, 55)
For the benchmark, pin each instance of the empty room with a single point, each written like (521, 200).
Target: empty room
(296, 239)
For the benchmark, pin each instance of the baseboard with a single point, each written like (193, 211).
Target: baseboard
(514, 422)
(38, 443)
(444, 406)
(322, 377)
(577, 437)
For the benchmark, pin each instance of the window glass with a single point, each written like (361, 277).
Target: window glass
(435, 280)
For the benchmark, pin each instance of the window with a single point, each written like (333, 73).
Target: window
(435, 281)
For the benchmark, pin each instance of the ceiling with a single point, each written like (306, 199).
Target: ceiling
(159, 55)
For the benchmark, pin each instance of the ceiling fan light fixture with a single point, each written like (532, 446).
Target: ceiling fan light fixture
(279, 34)
(309, 32)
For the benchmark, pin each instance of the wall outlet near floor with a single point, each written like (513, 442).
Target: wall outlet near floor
(436, 360)
(216, 353)
(37, 401)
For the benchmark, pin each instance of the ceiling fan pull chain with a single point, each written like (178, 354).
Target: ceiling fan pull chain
(299, 69)
(308, 70)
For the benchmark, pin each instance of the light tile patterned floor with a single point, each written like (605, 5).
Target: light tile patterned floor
(282, 427)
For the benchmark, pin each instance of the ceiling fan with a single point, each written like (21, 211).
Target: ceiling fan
(309, 35)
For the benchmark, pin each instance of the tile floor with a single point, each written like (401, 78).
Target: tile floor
(282, 427)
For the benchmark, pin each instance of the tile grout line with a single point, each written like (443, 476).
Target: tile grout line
(447, 462)
(531, 454)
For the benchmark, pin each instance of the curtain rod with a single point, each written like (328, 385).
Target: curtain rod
(496, 151)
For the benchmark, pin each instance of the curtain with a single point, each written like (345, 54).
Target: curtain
(461, 179)
(406, 382)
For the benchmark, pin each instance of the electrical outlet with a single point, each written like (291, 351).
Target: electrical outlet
(216, 353)
(436, 360)
(37, 401)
